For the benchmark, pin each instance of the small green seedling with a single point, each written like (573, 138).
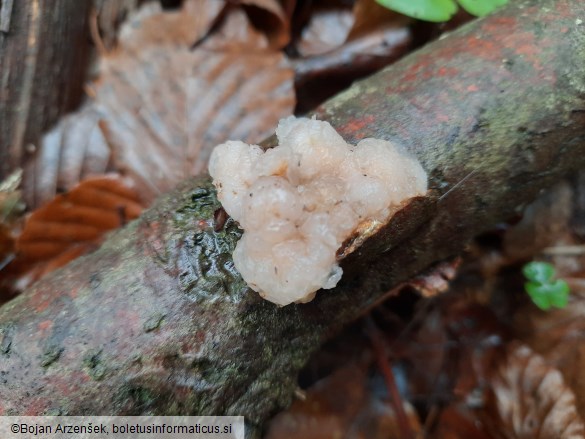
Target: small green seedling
(440, 10)
(542, 287)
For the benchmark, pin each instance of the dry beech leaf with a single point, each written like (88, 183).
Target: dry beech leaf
(73, 150)
(334, 52)
(527, 399)
(270, 16)
(109, 15)
(339, 406)
(236, 33)
(150, 26)
(164, 110)
(71, 224)
(457, 422)
(436, 279)
(327, 30)
(369, 16)
(559, 336)
(158, 108)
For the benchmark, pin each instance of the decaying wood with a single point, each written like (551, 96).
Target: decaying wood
(158, 321)
(45, 52)
(44, 55)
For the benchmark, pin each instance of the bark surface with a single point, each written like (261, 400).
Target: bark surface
(158, 321)
(44, 54)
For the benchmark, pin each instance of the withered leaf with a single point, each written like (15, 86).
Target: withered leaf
(71, 224)
(456, 422)
(164, 110)
(341, 405)
(158, 108)
(336, 49)
(327, 29)
(529, 399)
(370, 16)
(73, 150)
(273, 19)
(235, 33)
(151, 26)
(436, 279)
(559, 336)
(108, 16)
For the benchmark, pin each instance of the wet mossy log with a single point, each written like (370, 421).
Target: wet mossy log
(158, 321)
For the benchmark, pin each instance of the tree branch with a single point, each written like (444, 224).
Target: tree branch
(158, 321)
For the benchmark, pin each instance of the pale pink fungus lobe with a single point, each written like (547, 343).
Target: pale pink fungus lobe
(298, 202)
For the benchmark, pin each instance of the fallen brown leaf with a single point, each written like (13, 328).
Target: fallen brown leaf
(151, 26)
(71, 224)
(370, 15)
(436, 279)
(109, 14)
(270, 16)
(165, 110)
(529, 399)
(327, 29)
(73, 150)
(559, 336)
(339, 45)
(158, 107)
(234, 32)
(458, 423)
(342, 405)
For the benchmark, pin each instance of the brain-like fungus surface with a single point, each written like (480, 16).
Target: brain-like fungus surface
(299, 201)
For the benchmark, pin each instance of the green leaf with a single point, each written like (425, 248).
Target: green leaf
(559, 294)
(538, 295)
(429, 10)
(544, 291)
(541, 272)
(480, 8)
(545, 296)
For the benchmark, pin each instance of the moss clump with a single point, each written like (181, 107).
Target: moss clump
(94, 366)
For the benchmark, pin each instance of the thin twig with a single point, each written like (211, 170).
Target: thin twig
(565, 250)
(378, 344)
